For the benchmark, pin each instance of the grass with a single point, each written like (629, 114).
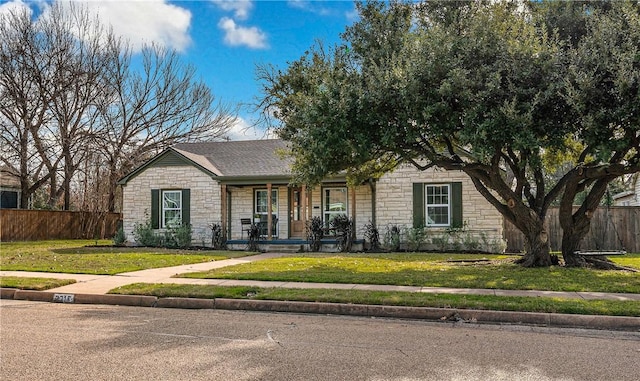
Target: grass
(528, 304)
(433, 270)
(37, 284)
(93, 257)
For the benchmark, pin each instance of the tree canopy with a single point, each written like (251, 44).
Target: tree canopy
(502, 91)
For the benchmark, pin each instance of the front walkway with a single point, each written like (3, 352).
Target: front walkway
(102, 284)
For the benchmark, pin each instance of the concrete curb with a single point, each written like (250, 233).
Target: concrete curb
(619, 323)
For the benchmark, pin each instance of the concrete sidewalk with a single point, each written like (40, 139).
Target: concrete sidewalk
(102, 284)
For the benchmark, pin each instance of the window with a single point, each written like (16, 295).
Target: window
(170, 207)
(261, 209)
(262, 206)
(334, 203)
(9, 199)
(437, 203)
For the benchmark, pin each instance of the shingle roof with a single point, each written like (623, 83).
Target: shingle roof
(239, 158)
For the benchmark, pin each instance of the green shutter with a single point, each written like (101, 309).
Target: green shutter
(186, 206)
(418, 205)
(155, 208)
(456, 205)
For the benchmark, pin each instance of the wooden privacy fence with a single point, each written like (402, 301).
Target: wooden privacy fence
(35, 225)
(613, 228)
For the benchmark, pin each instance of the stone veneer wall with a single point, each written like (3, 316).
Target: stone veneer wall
(394, 200)
(205, 198)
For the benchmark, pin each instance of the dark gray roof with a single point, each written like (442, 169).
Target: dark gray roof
(247, 158)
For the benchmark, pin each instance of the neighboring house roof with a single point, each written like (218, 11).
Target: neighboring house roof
(248, 159)
(8, 178)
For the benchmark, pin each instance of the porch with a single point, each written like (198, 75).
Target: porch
(292, 245)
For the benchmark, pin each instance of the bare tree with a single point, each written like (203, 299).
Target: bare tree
(74, 108)
(143, 112)
(24, 103)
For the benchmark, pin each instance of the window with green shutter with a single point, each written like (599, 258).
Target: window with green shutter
(170, 207)
(437, 205)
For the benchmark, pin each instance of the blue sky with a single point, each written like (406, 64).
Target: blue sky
(224, 40)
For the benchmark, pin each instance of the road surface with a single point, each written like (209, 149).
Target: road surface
(43, 341)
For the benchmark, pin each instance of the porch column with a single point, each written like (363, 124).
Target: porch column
(223, 204)
(353, 211)
(269, 212)
(303, 203)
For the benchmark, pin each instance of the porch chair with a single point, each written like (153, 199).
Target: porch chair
(246, 225)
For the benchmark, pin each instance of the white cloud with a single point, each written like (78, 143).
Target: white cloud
(12, 6)
(144, 22)
(241, 130)
(240, 8)
(310, 6)
(236, 35)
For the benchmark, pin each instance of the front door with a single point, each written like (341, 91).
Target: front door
(296, 213)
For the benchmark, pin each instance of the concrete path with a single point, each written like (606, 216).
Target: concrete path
(102, 284)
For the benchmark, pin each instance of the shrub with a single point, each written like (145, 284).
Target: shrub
(145, 235)
(392, 238)
(120, 238)
(344, 230)
(315, 233)
(416, 238)
(372, 235)
(181, 236)
(218, 240)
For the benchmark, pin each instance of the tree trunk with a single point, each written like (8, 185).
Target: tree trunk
(537, 249)
(571, 244)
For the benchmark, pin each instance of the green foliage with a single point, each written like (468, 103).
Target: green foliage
(473, 86)
(315, 233)
(344, 232)
(218, 239)
(120, 238)
(372, 235)
(392, 238)
(145, 235)
(416, 238)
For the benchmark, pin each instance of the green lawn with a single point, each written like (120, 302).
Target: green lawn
(433, 270)
(93, 257)
(501, 303)
(37, 284)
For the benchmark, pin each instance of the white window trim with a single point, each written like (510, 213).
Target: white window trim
(427, 205)
(327, 212)
(265, 213)
(164, 209)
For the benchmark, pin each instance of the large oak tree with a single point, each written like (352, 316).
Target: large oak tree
(492, 89)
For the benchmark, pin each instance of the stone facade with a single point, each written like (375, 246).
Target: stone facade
(394, 202)
(205, 198)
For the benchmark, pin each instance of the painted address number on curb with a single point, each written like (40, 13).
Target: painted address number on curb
(63, 298)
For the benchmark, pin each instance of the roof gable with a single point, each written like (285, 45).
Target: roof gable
(245, 159)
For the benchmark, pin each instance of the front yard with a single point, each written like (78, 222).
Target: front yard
(96, 257)
(433, 270)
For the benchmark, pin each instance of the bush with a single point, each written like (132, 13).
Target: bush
(372, 235)
(416, 238)
(315, 233)
(392, 238)
(218, 240)
(180, 236)
(344, 230)
(120, 238)
(145, 235)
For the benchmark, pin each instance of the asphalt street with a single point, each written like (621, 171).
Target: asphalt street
(47, 341)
